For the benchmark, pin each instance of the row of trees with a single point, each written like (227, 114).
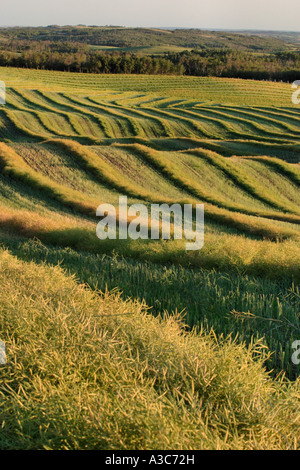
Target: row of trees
(73, 57)
(91, 62)
(283, 66)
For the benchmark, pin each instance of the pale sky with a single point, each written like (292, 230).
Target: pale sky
(230, 14)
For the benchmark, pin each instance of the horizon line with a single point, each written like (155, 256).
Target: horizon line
(156, 27)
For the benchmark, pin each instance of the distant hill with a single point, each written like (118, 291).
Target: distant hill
(290, 37)
(148, 37)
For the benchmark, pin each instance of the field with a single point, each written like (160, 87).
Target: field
(152, 50)
(72, 141)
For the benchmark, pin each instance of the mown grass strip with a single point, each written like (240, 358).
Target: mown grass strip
(217, 209)
(284, 168)
(14, 165)
(226, 253)
(242, 179)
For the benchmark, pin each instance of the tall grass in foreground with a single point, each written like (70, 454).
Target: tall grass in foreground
(240, 304)
(89, 371)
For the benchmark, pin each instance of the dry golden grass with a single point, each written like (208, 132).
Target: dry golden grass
(86, 370)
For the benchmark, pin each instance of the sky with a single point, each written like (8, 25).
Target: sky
(219, 14)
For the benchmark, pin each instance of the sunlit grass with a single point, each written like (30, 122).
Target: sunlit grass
(90, 371)
(80, 373)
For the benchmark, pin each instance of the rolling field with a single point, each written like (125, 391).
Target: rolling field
(70, 142)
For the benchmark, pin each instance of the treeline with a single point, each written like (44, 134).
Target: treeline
(91, 62)
(19, 46)
(283, 66)
(76, 57)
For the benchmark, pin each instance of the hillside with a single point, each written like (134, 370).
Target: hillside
(69, 142)
(122, 37)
